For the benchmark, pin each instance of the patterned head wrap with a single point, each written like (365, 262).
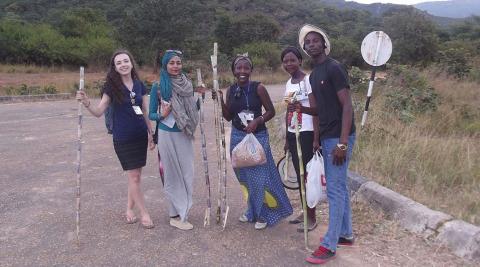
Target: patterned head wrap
(241, 57)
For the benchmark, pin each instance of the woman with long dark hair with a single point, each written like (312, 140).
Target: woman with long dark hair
(131, 132)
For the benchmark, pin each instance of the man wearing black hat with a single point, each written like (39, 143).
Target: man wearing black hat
(333, 103)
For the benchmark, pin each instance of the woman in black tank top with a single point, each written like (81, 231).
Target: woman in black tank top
(267, 201)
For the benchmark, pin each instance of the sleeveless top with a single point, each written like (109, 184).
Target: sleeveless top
(245, 98)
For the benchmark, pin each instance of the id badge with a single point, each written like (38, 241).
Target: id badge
(137, 110)
(246, 116)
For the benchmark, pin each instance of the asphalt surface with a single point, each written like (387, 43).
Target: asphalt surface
(37, 202)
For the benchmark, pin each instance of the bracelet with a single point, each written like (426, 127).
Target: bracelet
(263, 119)
(88, 104)
(343, 147)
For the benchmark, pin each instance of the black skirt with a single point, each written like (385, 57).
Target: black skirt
(133, 153)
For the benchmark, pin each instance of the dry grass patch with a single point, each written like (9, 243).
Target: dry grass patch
(64, 80)
(269, 77)
(17, 68)
(435, 159)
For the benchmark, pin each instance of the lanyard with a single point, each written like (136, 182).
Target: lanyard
(246, 94)
(132, 96)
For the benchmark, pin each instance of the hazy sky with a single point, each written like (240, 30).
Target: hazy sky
(405, 2)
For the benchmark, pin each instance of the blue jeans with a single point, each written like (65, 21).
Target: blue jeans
(340, 213)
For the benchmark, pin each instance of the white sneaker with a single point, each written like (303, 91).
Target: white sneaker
(181, 225)
(243, 218)
(260, 225)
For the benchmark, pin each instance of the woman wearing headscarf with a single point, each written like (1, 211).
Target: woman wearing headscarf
(266, 198)
(173, 106)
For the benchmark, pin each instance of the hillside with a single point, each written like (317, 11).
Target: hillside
(379, 9)
(72, 32)
(452, 8)
(376, 9)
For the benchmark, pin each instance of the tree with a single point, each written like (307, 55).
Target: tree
(89, 36)
(413, 36)
(27, 43)
(244, 29)
(264, 55)
(468, 30)
(346, 51)
(156, 25)
(81, 36)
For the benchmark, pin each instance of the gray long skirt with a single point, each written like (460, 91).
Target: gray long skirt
(176, 151)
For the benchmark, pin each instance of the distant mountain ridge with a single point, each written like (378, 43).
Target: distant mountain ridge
(452, 8)
(378, 9)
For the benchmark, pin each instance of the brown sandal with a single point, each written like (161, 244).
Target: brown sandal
(131, 220)
(147, 225)
(298, 219)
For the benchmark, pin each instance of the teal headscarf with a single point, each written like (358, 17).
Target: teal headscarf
(165, 82)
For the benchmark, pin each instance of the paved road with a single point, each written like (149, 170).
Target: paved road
(37, 203)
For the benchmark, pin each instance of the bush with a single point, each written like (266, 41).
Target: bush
(346, 51)
(454, 62)
(358, 80)
(239, 30)
(93, 90)
(30, 90)
(474, 75)
(223, 63)
(82, 36)
(50, 89)
(225, 80)
(264, 55)
(410, 94)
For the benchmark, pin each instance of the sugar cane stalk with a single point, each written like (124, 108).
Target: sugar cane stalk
(302, 179)
(225, 207)
(217, 137)
(79, 155)
(206, 220)
(222, 208)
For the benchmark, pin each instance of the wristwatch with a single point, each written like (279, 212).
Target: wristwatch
(342, 146)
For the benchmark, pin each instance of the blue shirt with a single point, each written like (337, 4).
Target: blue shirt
(127, 125)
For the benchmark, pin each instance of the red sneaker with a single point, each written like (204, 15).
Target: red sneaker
(343, 242)
(321, 256)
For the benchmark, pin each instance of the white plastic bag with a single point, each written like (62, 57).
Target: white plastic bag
(249, 152)
(316, 186)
